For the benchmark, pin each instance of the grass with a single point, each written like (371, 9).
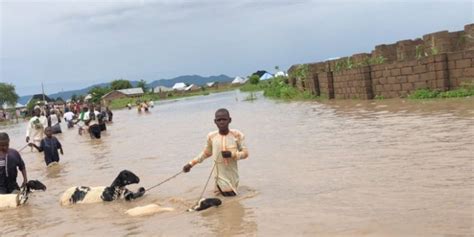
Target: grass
(278, 88)
(463, 91)
(122, 102)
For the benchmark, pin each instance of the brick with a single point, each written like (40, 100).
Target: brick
(441, 74)
(378, 74)
(441, 66)
(455, 56)
(463, 63)
(427, 60)
(451, 64)
(420, 85)
(396, 87)
(407, 70)
(413, 78)
(456, 73)
(427, 76)
(385, 73)
(469, 72)
(392, 80)
(402, 79)
(419, 69)
(468, 54)
(407, 86)
(430, 67)
(395, 72)
(442, 84)
(440, 58)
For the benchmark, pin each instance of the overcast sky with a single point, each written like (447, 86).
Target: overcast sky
(71, 44)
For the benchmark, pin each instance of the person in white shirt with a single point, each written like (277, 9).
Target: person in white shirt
(54, 121)
(68, 117)
(36, 126)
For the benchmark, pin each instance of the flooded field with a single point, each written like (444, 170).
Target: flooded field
(337, 168)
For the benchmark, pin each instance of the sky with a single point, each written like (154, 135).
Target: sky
(72, 44)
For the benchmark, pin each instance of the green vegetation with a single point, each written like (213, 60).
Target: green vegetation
(122, 103)
(97, 93)
(464, 91)
(379, 97)
(142, 84)
(8, 94)
(254, 79)
(278, 88)
(120, 84)
(301, 72)
(347, 63)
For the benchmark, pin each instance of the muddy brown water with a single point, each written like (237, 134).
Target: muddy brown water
(337, 168)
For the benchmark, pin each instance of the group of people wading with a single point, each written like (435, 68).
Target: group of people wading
(226, 147)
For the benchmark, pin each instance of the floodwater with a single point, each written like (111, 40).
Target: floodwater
(336, 168)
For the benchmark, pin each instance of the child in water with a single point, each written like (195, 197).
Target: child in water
(50, 145)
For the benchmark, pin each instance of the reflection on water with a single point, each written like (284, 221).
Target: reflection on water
(344, 168)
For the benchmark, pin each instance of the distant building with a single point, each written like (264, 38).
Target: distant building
(40, 98)
(266, 76)
(192, 87)
(259, 73)
(179, 86)
(238, 80)
(281, 74)
(211, 84)
(133, 92)
(124, 93)
(17, 106)
(160, 89)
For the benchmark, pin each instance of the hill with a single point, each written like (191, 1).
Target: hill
(188, 79)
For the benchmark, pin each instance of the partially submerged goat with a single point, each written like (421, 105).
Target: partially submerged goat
(116, 190)
(18, 199)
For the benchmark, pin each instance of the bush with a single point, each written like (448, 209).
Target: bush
(254, 79)
(464, 91)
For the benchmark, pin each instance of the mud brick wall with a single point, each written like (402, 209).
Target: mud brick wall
(353, 84)
(440, 61)
(402, 78)
(326, 85)
(460, 68)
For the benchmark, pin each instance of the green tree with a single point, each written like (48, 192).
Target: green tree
(97, 93)
(60, 99)
(7, 94)
(142, 84)
(74, 97)
(120, 84)
(31, 105)
(254, 79)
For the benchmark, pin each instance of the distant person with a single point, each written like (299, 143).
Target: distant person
(129, 106)
(101, 119)
(36, 126)
(226, 146)
(54, 121)
(50, 146)
(93, 124)
(83, 119)
(69, 118)
(10, 163)
(152, 104)
(110, 115)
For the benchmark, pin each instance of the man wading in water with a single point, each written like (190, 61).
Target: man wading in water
(10, 161)
(226, 146)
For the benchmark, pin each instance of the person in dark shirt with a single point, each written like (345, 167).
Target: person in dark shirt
(50, 145)
(10, 163)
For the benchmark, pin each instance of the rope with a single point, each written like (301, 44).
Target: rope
(205, 186)
(23, 148)
(164, 181)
